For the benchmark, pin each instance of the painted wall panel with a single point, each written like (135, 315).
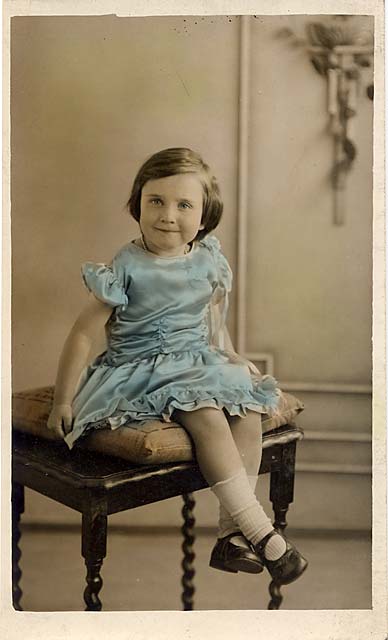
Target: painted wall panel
(309, 281)
(92, 97)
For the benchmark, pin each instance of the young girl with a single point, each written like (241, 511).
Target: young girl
(163, 301)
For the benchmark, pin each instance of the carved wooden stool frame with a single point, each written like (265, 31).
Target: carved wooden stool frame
(98, 486)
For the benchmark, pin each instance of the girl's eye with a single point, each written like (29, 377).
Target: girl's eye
(184, 205)
(155, 201)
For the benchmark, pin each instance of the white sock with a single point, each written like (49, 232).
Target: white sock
(275, 547)
(237, 497)
(226, 524)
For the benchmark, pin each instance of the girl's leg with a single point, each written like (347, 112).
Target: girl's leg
(221, 465)
(247, 436)
(215, 450)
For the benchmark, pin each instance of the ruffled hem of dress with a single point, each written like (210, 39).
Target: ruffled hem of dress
(115, 418)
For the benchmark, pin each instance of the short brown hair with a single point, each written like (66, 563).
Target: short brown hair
(170, 162)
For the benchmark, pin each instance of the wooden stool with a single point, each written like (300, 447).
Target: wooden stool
(98, 485)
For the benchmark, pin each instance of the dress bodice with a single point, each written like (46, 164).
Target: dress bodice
(160, 304)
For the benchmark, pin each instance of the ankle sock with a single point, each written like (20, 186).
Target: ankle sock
(275, 547)
(226, 524)
(238, 499)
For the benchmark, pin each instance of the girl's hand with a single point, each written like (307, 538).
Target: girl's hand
(235, 358)
(60, 419)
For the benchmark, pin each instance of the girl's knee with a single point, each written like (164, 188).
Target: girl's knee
(253, 420)
(203, 423)
(250, 424)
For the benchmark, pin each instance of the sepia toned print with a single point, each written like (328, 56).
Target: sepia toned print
(261, 321)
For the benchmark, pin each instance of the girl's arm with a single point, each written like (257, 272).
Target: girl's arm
(72, 361)
(221, 338)
(228, 344)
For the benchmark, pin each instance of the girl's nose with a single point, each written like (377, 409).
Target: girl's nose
(168, 214)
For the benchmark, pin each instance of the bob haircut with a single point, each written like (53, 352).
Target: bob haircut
(170, 162)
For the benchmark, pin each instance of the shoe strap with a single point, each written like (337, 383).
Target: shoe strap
(231, 535)
(260, 545)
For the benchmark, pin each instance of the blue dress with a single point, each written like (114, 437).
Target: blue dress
(160, 354)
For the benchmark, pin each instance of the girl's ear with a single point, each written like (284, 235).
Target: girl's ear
(201, 226)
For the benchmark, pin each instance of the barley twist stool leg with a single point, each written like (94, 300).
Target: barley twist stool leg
(17, 510)
(94, 533)
(276, 596)
(281, 495)
(94, 582)
(188, 553)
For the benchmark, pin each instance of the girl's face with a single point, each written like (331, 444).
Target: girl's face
(171, 213)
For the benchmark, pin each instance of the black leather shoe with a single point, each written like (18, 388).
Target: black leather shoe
(288, 567)
(228, 556)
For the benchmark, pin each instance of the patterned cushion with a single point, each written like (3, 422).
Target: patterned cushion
(149, 442)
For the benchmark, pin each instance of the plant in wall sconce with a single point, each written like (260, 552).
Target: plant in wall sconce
(340, 48)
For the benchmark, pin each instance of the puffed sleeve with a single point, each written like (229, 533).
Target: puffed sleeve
(107, 282)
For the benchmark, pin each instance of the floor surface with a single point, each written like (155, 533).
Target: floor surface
(142, 572)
